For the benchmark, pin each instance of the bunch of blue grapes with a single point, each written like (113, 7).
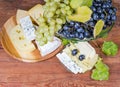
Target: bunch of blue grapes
(77, 30)
(103, 9)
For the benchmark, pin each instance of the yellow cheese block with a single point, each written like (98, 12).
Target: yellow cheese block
(18, 38)
(22, 45)
(36, 11)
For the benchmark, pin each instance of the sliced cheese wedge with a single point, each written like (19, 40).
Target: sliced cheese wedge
(35, 12)
(24, 47)
(86, 49)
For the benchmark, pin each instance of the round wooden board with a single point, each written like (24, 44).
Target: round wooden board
(9, 48)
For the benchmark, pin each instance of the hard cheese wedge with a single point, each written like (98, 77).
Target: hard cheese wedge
(22, 45)
(85, 49)
(36, 11)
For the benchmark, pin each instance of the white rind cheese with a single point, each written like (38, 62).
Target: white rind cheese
(49, 47)
(73, 63)
(28, 28)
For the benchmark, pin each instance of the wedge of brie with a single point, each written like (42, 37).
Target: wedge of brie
(49, 47)
(73, 63)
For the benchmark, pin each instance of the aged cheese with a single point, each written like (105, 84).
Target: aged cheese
(22, 45)
(36, 11)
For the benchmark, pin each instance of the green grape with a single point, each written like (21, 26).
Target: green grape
(67, 8)
(50, 14)
(41, 19)
(46, 34)
(69, 12)
(44, 39)
(59, 21)
(63, 11)
(57, 0)
(40, 36)
(41, 43)
(42, 25)
(63, 20)
(62, 5)
(58, 27)
(51, 27)
(55, 13)
(45, 28)
(52, 30)
(58, 11)
(66, 1)
(52, 22)
(50, 38)
(53, 9)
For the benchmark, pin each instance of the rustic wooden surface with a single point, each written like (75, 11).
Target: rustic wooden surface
(51, 73)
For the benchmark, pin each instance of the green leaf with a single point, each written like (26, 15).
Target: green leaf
(110, 48)
(105, 32)
(76, 3)
(65, 41)
(87, 3)
(101, 71)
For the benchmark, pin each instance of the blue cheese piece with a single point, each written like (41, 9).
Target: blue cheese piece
(28, 28)
(66, 60)
(49, 47)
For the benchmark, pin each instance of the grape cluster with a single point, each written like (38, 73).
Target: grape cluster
(77, 30)
(55, 13)
(103, 9)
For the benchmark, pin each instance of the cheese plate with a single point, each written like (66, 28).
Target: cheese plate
(35, 55)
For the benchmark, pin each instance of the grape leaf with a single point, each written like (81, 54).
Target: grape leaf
(87, 3)
(76, 3)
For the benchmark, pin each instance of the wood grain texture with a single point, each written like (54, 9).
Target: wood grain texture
(52, 73)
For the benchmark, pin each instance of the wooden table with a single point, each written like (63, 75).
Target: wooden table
(51, 73)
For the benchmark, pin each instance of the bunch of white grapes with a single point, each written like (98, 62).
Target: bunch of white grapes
(55, 15)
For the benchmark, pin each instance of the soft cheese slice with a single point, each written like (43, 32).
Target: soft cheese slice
(21, 14)
(86, 49)
(49, 47)
(75, 59)
(22, 45)
(66, 60)
(28, 28)
(36, 11)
